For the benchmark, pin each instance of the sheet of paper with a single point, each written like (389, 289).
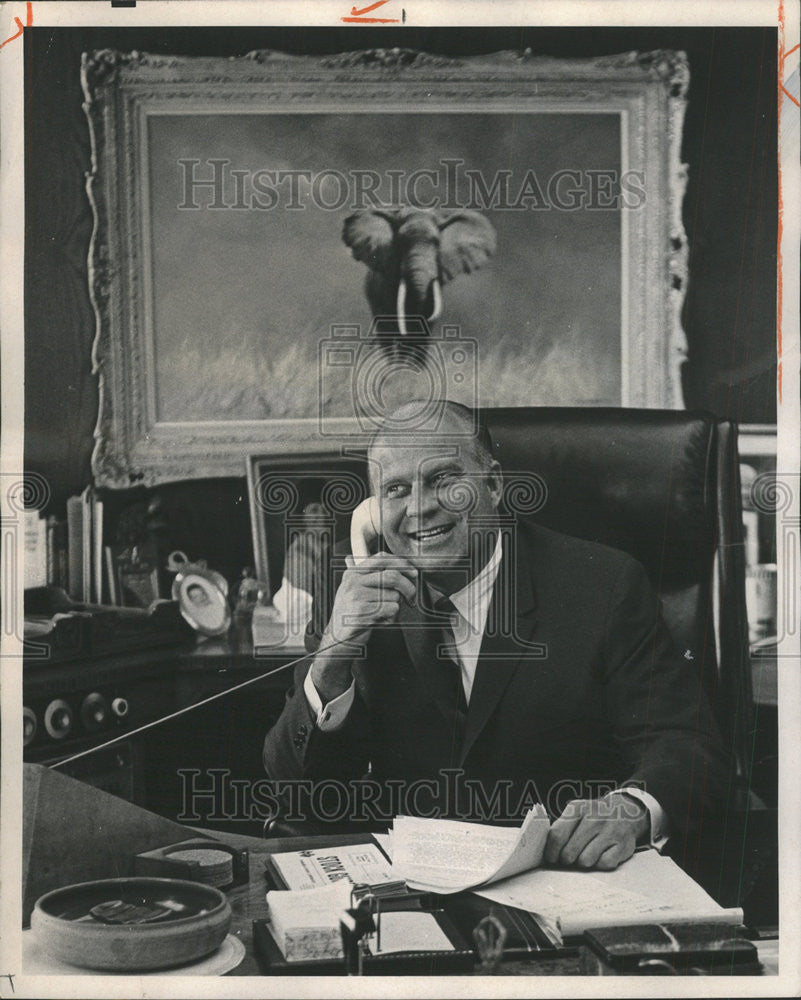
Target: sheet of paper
(448, 855)
(308, 908)
(355, 863)
(410, 930)
(646, 887)
(384, 841)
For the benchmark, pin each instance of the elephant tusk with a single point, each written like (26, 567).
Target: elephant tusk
(402, 307)
(437, 301)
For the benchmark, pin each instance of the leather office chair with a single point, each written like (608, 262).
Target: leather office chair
(664, 486)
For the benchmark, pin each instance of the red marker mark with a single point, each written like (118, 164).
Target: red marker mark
(779, 283)
(357, 16)
(20, 25)
(787, 92)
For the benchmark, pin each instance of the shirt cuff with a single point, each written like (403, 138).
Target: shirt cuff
(656, 814)
(331, 716)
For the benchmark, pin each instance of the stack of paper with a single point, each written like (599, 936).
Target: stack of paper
(305, 923)
(648, 888)
(445, 856)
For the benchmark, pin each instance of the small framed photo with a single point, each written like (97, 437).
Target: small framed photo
(203, 603)
(297, 505)
(137, 584)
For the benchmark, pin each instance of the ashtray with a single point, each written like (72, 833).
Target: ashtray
(131, 924)
(199, 860)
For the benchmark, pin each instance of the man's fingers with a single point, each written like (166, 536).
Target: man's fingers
(599, 846)
(583, 833)
(561, 830)
(370, 610)
(388, 609)
(385, 560)
(611, 858)
(395, 580)
(387, 578)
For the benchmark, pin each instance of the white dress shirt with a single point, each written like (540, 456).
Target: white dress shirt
(468, 621)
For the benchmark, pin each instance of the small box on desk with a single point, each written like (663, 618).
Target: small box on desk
(668, 949)
(459, 960)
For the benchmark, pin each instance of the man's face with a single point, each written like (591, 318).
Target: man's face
(197, 595)
(431, 494)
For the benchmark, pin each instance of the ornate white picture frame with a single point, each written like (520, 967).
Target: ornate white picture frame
(170, 411)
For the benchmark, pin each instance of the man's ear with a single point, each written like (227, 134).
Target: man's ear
(494, 482)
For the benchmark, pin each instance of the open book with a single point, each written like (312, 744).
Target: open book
(444, 856)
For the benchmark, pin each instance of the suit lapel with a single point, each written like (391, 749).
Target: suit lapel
(507, 636)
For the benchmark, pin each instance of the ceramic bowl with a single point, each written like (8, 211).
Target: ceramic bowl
(193, 920)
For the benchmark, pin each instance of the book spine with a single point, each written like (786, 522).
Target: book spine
(97, 553)
(35, 549)
(75, 547)
(62, 555)
(86, 545)
(52, 568)
(112, 579)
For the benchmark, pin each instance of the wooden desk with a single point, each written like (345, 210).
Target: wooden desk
(248, 904)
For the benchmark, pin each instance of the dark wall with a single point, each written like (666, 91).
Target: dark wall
(730, 214)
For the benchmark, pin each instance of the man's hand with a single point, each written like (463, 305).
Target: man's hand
(597, 833)
(370, 594)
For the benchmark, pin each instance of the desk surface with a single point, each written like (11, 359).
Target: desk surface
(248, 903)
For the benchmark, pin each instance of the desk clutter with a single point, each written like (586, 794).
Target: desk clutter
(146, 897)
(366, 905)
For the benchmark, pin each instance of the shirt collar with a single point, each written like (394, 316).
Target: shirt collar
(472, 601)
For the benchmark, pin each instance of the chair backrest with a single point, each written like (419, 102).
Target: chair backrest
(662, 485)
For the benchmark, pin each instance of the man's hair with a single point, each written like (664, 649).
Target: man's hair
(477, 433)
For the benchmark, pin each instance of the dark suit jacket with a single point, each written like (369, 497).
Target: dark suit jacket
(589, 688)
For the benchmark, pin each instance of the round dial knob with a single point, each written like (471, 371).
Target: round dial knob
(29, 725)
(120, 707)
(94, 711)
(58, 719)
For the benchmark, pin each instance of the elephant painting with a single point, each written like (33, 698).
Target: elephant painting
(412, 252)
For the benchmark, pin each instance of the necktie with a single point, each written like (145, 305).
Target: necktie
(448, 662)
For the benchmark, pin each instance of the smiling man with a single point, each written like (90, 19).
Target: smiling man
(474, 664)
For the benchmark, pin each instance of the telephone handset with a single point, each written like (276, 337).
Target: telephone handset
(364, 529)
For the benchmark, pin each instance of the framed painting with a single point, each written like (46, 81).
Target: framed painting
(232, 317)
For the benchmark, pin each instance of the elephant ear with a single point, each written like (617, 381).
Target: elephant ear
(467, 241)
(371, 237)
